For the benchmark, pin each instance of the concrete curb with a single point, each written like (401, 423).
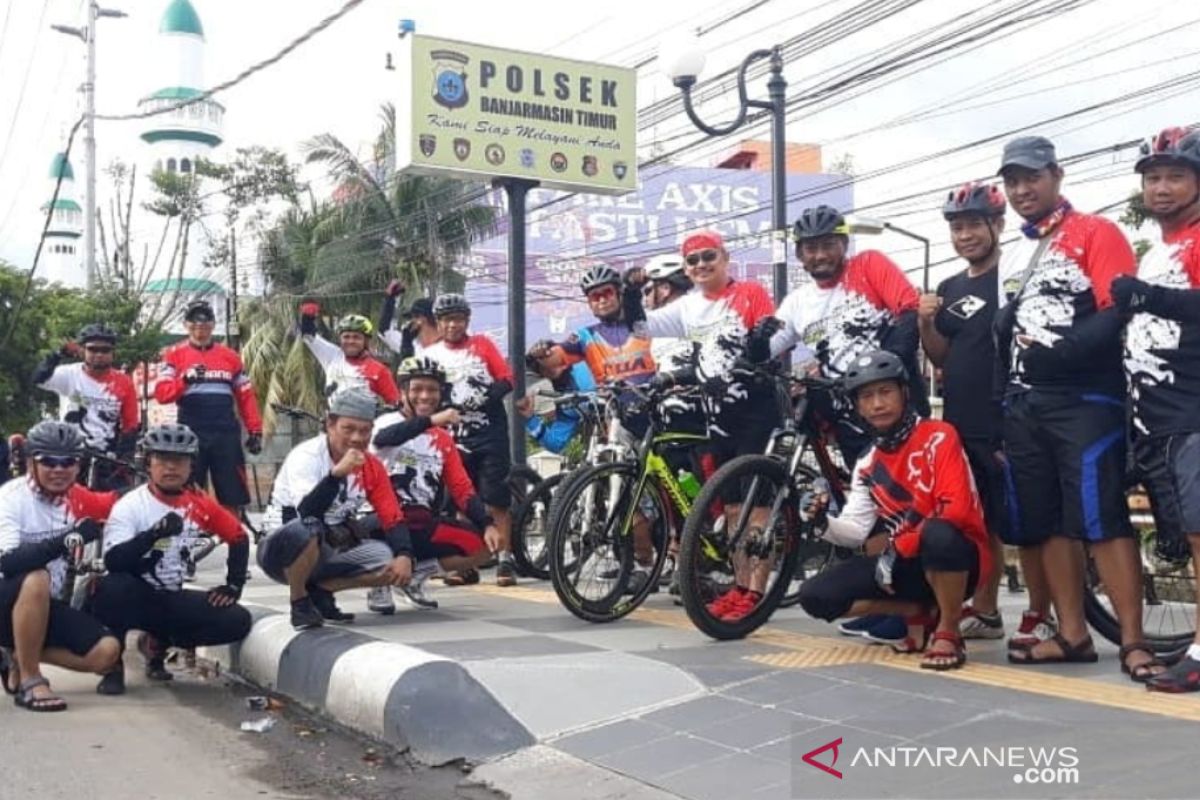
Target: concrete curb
(400, 694)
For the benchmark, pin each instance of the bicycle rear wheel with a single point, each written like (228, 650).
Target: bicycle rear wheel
(529, 527)
(592, 540)
(754, 544)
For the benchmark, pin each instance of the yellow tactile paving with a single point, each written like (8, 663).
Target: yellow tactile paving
(803, 651)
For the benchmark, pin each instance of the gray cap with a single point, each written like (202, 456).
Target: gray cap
(1031, 152)
(354, 402)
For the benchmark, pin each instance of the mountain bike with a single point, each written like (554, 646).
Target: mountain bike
(763, 538)
(599, 515)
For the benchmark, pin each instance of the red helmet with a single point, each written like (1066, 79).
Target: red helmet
(982, 199)
(1171, 146)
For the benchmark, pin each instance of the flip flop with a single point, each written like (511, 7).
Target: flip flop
(48, 703)
(1141, 673)
(1082, 653)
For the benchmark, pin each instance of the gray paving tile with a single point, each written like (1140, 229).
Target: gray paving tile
(562, 622)
(622, 735)
(506, 647)
(754, 729)
(915, 717)
(733, 776)
(699, 713)
(780, 749)
(712, 665)
(780, 686)
(652, 761)
(845, 702)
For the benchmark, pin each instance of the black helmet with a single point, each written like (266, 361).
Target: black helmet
(54, 438)
(171, 437)
(597, 276)
(446, 304)
(97, 332)
(420, 367)
(197, 308)
(1171, 146)
(974, 198)
(879, 365)
(820, 221)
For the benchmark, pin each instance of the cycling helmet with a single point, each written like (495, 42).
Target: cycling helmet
(820, 221)
(54, 438)
(198, 308)
(597, 276)
(1171, 146)
(879, 365)
(97, 332)
(420, 367)
(974, 198)
(447, 304)
(355, 323)
(660, 268)
(171, 437)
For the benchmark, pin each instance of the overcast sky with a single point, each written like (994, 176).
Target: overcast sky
(336, 82)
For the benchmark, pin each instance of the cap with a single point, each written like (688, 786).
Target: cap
(703, 240)
(353, 402)
(1031, 152)
(421, 307)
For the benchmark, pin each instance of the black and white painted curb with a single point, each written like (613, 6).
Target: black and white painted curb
(390, 691)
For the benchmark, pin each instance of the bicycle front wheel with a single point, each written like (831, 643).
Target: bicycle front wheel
(529, 527)
(752, 543)
(605, 526)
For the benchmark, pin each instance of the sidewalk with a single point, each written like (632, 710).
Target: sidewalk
(648, 707)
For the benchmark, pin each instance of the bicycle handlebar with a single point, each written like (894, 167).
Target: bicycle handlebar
(294, 413)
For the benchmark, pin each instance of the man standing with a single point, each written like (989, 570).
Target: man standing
(956, 332)
(1162, 362)
(206, 379)
(1064, 422)
(419, 327)
(94, 396)
(348, 363)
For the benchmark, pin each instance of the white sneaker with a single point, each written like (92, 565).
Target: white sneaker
(414, 592)
(975, 625)
(379, 600)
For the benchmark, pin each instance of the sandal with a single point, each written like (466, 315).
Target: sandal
(1183, 677)
(1082, 653)
(1142, 672)
(46, 703)
(934, 660)
(467, 577)
(927, 622)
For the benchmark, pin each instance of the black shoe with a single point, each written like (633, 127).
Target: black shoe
(638, 581)
(305, 614)
(328, 609)
(156, 670)
(112, 683)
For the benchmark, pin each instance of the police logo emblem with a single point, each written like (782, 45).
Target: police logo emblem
(428, 143)
(526, 156)
(620, 168)
(494, 154)
(590, 167)
(449, 78)
(558, 162)
(462, 149)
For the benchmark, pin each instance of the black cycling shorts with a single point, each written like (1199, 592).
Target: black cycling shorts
(1066, 467)
(988, 470)
(750, 437)
(69, 628)
(221, 459)
(1169, 468)
(488, 466)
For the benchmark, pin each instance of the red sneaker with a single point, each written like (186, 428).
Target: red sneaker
(1034, 628)
(739, 608)
(722, 604)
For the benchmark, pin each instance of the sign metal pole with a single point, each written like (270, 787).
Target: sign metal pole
(516, 190)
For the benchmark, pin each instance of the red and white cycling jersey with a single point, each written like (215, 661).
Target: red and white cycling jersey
(472, 366)
(206, 404)
(926, 477)
(846, 318)
(422, 465)
(363, 372)
(718, 324)
(1162, 356)
(27, 516)
(308, 464)
(164, 566)
(104, 406)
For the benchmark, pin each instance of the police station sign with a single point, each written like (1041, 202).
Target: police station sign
(478, 112)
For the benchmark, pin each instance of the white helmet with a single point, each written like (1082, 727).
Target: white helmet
(660, 268)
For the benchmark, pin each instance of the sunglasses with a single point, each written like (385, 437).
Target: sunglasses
(97, 349)
(707, 256)
(57, 462)
(603, 293)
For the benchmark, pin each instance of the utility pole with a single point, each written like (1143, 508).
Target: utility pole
(88, 35)
(232, 328)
